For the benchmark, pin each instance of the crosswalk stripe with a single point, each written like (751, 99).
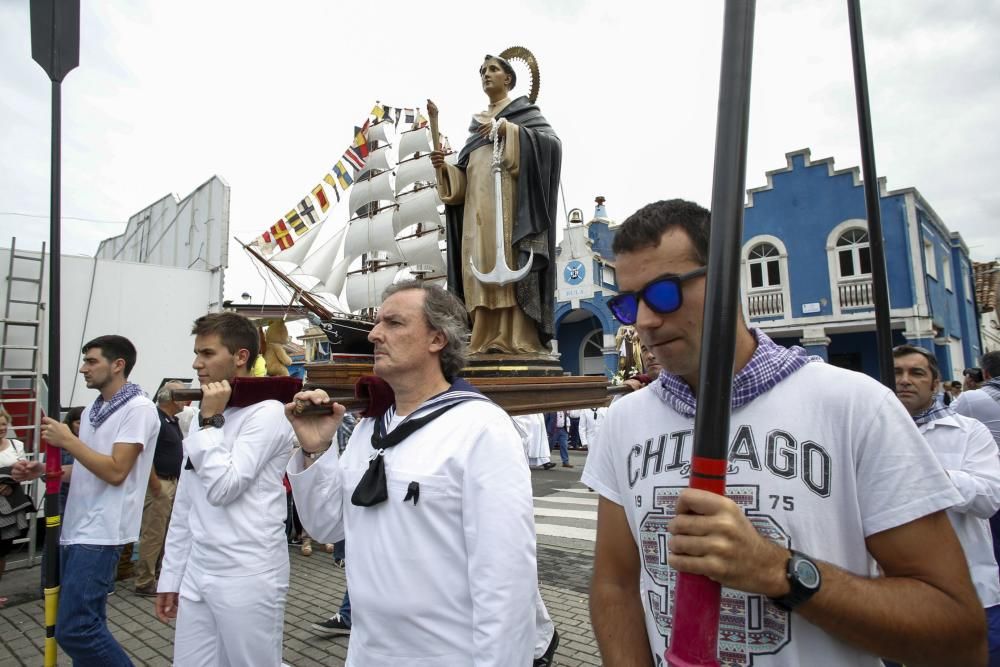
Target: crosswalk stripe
(565, 514)
(571, 532)
(567, 501)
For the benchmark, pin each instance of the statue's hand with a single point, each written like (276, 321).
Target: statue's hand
(437, 159)
(485, 129)
(432, 109)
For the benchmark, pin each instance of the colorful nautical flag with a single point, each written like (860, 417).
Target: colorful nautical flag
(298, 225)
(320, 196)
(421, 120)
(342, 173)
(360, 145)
(307, 211)
(409, 115)
(279, 232)
(353, 158)
(378, 111)
(264, 242)
(332, 181)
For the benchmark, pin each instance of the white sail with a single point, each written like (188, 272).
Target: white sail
(409, 172)
(334, 283)
(300, 249)
(381, 131)
(364, 290)
(304, 282)
(380, 159)
(423, 249)
(415, 207)
(318, 263)
(374, 234)
(414, 141)
(377, 188)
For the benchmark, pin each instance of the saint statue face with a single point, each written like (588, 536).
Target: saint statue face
(495, 80)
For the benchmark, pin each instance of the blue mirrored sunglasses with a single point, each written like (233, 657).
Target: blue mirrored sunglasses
(663, 295)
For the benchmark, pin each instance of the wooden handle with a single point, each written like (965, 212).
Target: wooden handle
(495, 393)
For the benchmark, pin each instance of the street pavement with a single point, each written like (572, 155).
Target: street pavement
(565, 521)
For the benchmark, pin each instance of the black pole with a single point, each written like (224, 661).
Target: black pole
(694, 635)
(55, 45)
(880, 284)
(53, 455)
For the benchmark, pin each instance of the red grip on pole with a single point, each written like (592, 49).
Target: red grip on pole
(53, 468)
(699, 626)
(699, 596)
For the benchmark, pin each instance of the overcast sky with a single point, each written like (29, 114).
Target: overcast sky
(266, 95)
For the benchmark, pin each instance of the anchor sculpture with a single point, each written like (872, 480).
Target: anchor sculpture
(501, 274)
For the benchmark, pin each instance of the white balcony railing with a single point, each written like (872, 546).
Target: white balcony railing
(856, 294)
(766, 304)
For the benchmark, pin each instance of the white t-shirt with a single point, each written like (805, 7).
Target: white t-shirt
(981, 406)
(102, 513)
(12, 454)
(229, 511)
(970, 457)
(449, 580)
(821, 461)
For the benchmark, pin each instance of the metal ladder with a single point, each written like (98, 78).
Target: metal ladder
(23, 390)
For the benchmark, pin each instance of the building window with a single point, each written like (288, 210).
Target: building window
(929, 258)
(765, 268)
(608, 277)
(946, 272)
(967, 278)
(854, 254)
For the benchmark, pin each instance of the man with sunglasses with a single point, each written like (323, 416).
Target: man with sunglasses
(827, 478)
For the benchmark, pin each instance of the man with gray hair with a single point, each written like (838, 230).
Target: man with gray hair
(433, 496)
(161, 488)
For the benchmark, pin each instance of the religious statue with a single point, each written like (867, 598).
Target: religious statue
(516, 317)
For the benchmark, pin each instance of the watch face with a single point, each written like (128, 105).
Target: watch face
(806, 573)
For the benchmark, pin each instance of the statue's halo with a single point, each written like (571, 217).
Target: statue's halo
(528, 58)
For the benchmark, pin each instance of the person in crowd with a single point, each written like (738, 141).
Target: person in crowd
(225, 568)
(971, 458)
(161, 489)
(112, 459)
(826, 474)
(15, 505)
(440, 464)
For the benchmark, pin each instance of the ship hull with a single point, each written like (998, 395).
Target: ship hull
(348, 335)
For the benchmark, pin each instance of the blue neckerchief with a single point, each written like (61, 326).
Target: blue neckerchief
(770, 364)
(936, 411)
(100, 409)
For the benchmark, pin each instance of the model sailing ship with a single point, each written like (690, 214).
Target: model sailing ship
(396, 230)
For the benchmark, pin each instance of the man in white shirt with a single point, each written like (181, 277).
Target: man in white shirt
(970, 456)
(983, 404)
(434, 498)
(114, 454)
(225, 565)
(826, 477)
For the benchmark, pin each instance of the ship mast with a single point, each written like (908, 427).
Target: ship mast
(305, 298)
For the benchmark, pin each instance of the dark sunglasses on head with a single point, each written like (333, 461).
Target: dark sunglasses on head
(662, 295)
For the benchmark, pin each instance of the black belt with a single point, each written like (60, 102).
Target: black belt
(165, 478)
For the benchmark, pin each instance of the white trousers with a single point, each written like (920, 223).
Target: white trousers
(231, 621)
(544, 628)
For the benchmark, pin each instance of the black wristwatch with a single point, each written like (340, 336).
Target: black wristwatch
(804, 581)
(215, 421)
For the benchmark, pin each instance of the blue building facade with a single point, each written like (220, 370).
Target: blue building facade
(806, 273)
